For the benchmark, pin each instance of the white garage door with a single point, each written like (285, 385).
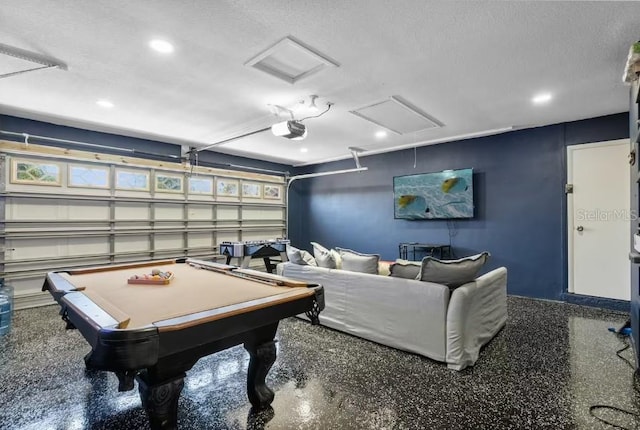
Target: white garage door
(65, 209)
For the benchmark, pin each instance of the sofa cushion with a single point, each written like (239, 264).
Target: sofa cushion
(323, 256)
(300, 256)
(452, 273)
(405, 269)
(353, 261)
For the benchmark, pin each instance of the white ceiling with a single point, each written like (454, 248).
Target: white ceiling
(472, 66)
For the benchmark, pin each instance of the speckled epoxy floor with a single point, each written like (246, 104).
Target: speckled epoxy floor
(542, 371)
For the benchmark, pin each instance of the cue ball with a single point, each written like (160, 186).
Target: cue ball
(156, 272)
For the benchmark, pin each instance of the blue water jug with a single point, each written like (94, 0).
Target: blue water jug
(6, 308)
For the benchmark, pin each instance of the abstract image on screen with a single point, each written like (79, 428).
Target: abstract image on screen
(440, 195)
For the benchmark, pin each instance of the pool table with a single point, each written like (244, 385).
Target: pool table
(154, 333)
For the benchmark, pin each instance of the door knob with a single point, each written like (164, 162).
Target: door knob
(580, 228)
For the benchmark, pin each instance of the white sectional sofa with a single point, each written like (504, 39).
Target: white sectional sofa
(416, 316)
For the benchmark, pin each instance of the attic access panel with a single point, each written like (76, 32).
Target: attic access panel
(290, 60)
(397, 115)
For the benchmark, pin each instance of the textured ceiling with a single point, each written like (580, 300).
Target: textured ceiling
(474, 66)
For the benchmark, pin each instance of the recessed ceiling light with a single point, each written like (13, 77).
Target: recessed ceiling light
(161, 46)
(381, 134)
(104, 103)
(542, 98)
(304, 150)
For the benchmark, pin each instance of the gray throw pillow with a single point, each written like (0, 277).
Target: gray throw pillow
(356, 262)
(300, 256)
(323, 256)
(405, 269)
(452, 273)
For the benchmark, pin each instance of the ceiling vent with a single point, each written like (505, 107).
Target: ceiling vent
(23, 61)
(290, 60)
(397, 115)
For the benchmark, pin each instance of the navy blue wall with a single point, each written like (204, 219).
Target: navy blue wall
(143, 148)
(518, 179)
(520, 203)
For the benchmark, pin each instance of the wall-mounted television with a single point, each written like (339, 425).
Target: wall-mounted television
(438, 195)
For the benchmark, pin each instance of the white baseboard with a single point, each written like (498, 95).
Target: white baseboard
(32, 300)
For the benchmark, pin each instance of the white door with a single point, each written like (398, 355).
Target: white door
(598, 219)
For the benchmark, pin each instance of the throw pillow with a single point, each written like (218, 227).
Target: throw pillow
(405, 269)
(356, 262)
(323, 256)
(336, 256)
(384, 268)
(452, 273)
(300, 256)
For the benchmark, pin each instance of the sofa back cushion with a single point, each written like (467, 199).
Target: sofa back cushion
(300, 256)
(357, 262)
(452, 273)
(405, 269)
(323, 256)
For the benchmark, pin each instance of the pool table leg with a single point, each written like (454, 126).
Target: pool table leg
(314, 314)
(160, 400)
(262, 353)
